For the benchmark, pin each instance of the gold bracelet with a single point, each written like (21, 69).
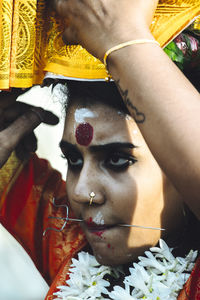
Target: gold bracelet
(120, 46)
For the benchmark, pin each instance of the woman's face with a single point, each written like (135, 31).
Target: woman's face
(107, 155)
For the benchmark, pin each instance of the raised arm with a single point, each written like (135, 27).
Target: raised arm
(17, 121)
(160, 98)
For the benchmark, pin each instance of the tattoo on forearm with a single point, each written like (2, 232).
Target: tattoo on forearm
(139, 117)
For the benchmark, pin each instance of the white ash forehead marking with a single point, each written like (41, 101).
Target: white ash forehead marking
(82, 113)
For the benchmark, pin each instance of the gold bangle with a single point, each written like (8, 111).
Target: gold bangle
(120, 46)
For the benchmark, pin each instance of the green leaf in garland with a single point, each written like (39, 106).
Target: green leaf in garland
(175, 54)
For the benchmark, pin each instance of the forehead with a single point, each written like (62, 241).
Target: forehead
(107, 124)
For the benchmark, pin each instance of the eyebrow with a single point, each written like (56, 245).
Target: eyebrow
(97, 148)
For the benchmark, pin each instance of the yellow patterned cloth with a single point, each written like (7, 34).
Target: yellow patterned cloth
(9, 171)
(197, 24)
(31, 41)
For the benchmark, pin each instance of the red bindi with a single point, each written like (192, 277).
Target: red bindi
(84, 134)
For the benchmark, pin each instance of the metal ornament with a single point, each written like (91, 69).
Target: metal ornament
(67, 219)
(92, 195)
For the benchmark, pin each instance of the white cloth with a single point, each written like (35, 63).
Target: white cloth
(19, 278)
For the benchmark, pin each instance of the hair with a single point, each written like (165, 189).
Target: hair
(92, 92)
(88, 93)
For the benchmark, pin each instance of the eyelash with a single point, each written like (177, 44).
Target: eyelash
(70, 164)
(129, 160)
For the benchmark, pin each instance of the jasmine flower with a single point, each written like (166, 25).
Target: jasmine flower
(157, 276)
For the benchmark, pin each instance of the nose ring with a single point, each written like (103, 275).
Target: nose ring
(92, 195)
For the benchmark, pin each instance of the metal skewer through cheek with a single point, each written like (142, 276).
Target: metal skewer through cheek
(66, 219)
(143, 227)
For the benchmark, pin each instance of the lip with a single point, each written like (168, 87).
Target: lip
(97, 229)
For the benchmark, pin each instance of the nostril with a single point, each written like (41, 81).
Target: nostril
(81, 197)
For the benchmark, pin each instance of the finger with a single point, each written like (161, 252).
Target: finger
(60, 7)
(29, 142)
(50, 118)
(70, 36)
(14, 111)
(11, 113)
(7, 98)
(1, 118)
(11, 136)
(21, 152)
(19, 108)
(26, 146)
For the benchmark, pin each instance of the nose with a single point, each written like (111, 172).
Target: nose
(89, 185)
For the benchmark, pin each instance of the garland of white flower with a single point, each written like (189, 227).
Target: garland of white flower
(157, 276)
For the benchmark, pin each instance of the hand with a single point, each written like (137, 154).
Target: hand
(17, 121)
(100, 25)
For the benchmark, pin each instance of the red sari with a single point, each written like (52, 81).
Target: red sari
(191, 290)
(26, 204)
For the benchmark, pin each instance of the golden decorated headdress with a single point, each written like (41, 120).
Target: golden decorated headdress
(28, 47)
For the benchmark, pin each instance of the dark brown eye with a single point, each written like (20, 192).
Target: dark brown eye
(119, 161)
(74, 160)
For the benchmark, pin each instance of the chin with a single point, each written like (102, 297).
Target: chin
(106, 261)
(109, 258)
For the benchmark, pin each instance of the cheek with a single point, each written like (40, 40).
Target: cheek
(138, 199)
(69, 193)
(84, 134)
(124, 197)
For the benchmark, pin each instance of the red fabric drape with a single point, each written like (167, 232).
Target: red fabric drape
(25, 211)
(191, 290)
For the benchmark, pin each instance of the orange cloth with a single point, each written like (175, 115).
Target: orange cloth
(26, 204)
(31, 41)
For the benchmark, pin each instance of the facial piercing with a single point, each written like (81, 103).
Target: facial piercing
(66, 218)
(92, 195)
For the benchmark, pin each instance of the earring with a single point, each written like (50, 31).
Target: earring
(92, 195)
